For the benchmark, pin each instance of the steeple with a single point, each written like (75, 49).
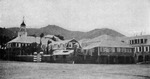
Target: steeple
(22, 31)
(23, 24)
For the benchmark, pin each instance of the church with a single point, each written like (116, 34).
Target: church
(16, 45)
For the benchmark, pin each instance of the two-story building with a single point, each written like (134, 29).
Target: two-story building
(141, 46)
(65, 50)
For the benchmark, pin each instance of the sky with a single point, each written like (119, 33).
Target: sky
(129, 17)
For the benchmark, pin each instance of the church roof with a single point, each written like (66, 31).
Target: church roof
(29, 39)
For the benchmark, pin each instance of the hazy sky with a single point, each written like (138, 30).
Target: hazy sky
(125, 16)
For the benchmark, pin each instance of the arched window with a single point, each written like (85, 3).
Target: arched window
(70, 45)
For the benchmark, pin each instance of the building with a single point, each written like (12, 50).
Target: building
(106, 49)
(65, 51)
(26, 45)
(141, 46)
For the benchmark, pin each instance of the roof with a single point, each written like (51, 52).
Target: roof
(29, 39)
(105, 41)
(98, 39)
(63, 52)
(62, 41)
(49, 36)
(137, 37)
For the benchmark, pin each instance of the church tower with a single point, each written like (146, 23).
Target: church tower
(22, 32)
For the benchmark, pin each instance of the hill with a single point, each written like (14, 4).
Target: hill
(6, 32)
(56, 30)
(5, 36)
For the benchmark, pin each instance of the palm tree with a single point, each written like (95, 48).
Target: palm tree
(41, 36)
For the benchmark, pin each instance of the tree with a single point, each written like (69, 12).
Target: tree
(41, 35)
(54, 39)
(60, 37)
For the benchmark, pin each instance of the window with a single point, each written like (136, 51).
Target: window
(130, 50)
(142, 41)
(138, 41)
(100, 49)
(132, 41)
(118, 49)
(135, 41)
(16, 45)
(125, 49)
(140, 49)
(19, 45)
(61, 46)
(105, 49)
(113, 49)
(145, 40)
(135, 49)
(146, 49)
(70, 45)
(64, 56)
(91, 52)
(66, 45)
(77, 45)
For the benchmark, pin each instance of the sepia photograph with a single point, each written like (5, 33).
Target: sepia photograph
(74, 39)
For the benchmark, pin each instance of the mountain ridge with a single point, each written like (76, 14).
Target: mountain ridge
(56, 30)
